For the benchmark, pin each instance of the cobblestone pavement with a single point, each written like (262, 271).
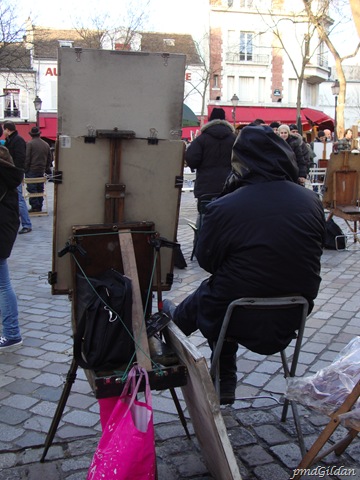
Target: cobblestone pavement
(32, 377)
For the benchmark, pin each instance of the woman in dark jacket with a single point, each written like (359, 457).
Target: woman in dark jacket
(210, 154)
(295, 142)
(10, 178)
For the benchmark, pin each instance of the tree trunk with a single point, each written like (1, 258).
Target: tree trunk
(355, 8)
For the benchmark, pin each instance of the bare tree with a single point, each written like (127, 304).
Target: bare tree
(305, 43)
(355, 8)
(317, 14)
(200, 83)
(14, 56)
(103, 30)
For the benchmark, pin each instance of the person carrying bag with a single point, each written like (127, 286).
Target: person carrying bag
(126, 450)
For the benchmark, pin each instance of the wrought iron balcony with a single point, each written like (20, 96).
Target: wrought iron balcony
(258, 58)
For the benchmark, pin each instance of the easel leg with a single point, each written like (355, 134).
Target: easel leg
(180, 411)
(70, 379)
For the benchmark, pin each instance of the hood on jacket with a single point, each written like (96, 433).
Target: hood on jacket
(295, 140)
(259, 154)
(218, 128)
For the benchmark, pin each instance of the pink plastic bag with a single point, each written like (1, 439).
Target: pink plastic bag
(126, 450)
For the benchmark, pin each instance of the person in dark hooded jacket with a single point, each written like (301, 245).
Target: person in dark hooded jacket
(262, 239)
(10, 178)
(210, 154)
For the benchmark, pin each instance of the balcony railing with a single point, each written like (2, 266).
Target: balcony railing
(15, 113)
(259, 58)
(322, 61)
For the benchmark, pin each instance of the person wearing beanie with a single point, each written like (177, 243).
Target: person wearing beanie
(263, 239)
(275, 126)
(210, 154)
(295, 142)
(217, 114)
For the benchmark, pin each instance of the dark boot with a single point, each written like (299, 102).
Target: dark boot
(228, 379)
(228, 370)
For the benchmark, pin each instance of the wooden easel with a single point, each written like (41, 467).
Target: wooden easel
(123, 259)
(342, 189)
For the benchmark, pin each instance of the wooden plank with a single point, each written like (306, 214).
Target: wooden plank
(202, 402)
(138, 322)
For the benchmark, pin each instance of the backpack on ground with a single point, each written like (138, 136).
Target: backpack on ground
(334, 236)
(103, 338)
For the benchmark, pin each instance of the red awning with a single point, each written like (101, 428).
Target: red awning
(48, 126)
(24, 129)
(246, 115)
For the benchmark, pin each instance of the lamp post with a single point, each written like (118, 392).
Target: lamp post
(234, 101)
(37, 105)
(335, 88)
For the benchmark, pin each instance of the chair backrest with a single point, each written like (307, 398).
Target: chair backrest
(265, 325)
(317, 176)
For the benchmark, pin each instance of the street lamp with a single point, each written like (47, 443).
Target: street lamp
(234, 101)
(37, 105)
(335, 88)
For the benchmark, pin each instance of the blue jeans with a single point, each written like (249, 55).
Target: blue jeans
(8, 304)
(23, 210)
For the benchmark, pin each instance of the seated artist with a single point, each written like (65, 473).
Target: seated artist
(262, 239)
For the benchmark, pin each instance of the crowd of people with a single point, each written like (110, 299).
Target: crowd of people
(262, 236)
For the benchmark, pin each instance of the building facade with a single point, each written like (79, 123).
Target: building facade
(258, 50)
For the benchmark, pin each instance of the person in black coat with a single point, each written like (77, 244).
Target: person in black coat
(10, 178)
(17, 148)
(263, 239)
(210, 154)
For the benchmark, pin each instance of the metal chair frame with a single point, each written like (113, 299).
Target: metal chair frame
(289, 371)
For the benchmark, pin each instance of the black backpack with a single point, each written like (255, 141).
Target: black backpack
(332, 230)
(103, 339)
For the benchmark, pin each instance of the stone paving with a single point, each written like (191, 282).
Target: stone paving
(32, 377)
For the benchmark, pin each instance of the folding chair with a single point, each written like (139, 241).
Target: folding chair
(317, 180)
(289, 305)
(313, 456)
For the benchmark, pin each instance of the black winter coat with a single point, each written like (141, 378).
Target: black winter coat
(17, 148)
(10, 178)
(210, 155)
(301, 153)
(264, 239)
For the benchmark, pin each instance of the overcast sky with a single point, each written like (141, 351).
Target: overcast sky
(177, 16)
(170, 16)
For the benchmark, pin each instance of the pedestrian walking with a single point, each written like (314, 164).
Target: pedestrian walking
(37, 162)
(17, 149)
(10, 178)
